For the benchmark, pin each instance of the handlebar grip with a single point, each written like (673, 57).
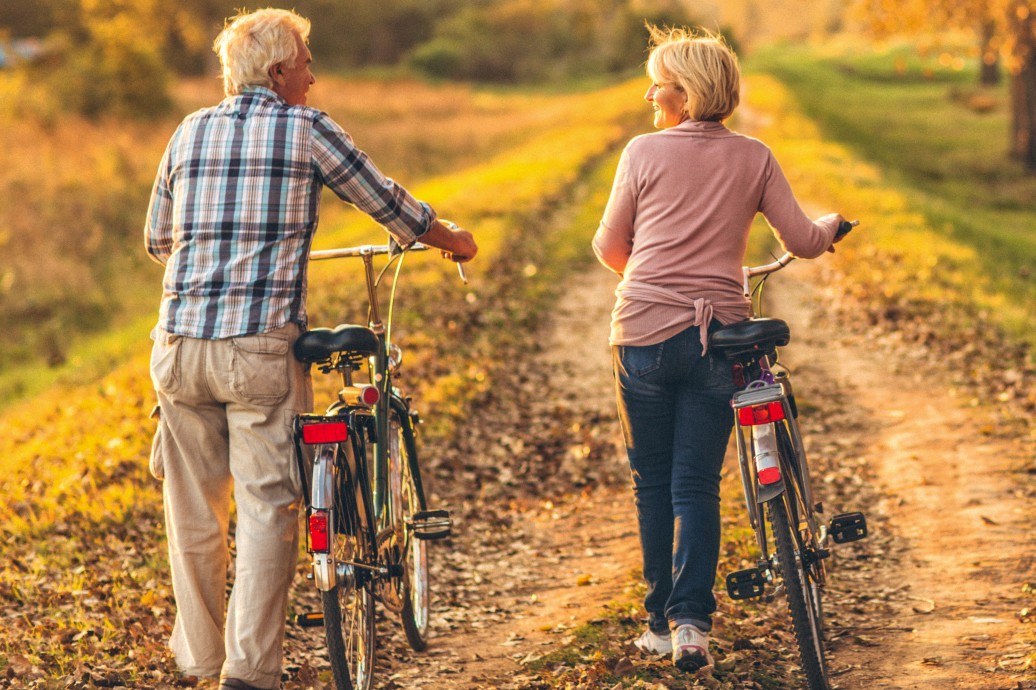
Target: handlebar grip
(845, 227)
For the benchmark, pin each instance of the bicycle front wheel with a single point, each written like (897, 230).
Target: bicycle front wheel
(803, 595)
(413, 584)
(349, 605)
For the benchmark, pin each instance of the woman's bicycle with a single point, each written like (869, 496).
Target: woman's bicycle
(367, 515)
(776, 479)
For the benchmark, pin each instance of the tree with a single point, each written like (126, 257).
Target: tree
(1022, 67)
(1007, 27)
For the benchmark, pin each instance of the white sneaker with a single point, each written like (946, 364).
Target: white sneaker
(691, 648)
(653, 643)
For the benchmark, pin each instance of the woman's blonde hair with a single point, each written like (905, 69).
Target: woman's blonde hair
(702, 65)
(252, 42)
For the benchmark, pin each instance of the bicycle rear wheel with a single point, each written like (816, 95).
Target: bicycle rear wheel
(413, 585)
(803, 594)
(349, 606)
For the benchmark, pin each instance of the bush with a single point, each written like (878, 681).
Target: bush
(524, 40)
(440, 58)
(118, 72)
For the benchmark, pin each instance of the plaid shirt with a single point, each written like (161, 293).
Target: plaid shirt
(235, 206)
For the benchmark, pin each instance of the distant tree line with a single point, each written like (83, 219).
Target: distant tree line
(118, 56)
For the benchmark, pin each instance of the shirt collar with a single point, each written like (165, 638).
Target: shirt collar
(259, 91)
(704, 126)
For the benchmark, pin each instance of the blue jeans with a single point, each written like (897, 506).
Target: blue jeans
(674, 408)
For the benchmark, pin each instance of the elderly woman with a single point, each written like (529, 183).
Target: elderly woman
(675, 230)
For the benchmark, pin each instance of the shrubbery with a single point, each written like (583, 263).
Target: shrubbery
(118, 57)
(525, 40)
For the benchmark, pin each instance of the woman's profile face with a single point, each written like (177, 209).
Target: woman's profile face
(668, 102)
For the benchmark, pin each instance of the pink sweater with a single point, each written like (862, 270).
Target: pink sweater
(676, 228)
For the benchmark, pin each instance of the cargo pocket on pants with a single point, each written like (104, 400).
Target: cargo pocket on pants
(165, 362)
(259, 370)
(156, 463)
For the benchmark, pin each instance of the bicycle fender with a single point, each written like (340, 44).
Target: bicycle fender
(767, 492)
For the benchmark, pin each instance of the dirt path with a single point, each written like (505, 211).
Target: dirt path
(955, 505)
(931, 600)
(520, 576)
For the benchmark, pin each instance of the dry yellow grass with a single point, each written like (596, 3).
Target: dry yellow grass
(71, 259)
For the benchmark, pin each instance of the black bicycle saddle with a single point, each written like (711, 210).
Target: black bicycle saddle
(319, 344)
(752, 335)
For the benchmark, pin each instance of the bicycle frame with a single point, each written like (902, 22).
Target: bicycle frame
(382, 367)
(756, 494)
(768, 388)
(366, 509)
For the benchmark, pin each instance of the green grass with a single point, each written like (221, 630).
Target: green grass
(940, 143)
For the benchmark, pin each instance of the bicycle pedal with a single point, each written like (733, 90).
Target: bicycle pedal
(811, 556)
(309, 620)
(848, 527)
(431, 524)
(746, 584)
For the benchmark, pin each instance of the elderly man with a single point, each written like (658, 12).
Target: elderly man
(232, 217)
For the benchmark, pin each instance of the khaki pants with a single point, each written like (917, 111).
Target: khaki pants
(226, 413)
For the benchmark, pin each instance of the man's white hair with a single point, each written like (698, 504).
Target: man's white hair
(252, 42)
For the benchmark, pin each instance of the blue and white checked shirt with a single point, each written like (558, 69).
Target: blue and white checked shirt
(235, 206)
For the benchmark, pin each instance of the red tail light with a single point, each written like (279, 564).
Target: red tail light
(769, 475)
(369, 396)
(318, 531)
(761, 414)
(324, 432)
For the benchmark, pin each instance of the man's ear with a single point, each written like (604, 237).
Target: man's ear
(276, 73)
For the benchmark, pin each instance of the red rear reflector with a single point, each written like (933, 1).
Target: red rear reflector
(324, 432)
(369, 396)
(760, 414)
(769, 475)
(318, 540)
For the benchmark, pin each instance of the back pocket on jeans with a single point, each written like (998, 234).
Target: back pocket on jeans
(641, 360)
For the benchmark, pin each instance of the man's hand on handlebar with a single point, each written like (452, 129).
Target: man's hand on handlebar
(455, 243)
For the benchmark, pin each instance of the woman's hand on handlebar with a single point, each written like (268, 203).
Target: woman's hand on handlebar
(844, 228)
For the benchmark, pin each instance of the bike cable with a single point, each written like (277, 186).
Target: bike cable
(392, 293)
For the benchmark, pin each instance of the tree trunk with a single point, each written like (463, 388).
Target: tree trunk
(1023, 91)
(989, 73)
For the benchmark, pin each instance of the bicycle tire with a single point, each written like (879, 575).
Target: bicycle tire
(808, 539)
(349, 605)
(803, 596)
(414, 588)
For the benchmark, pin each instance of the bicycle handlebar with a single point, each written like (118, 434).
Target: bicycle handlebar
(376, 250)
(844, 228)
(363, 250)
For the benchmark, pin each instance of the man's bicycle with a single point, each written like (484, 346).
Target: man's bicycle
(776, 479)
(367, 515)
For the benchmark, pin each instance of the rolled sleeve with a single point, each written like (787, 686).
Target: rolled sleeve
(158, 228)
(353, 177)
